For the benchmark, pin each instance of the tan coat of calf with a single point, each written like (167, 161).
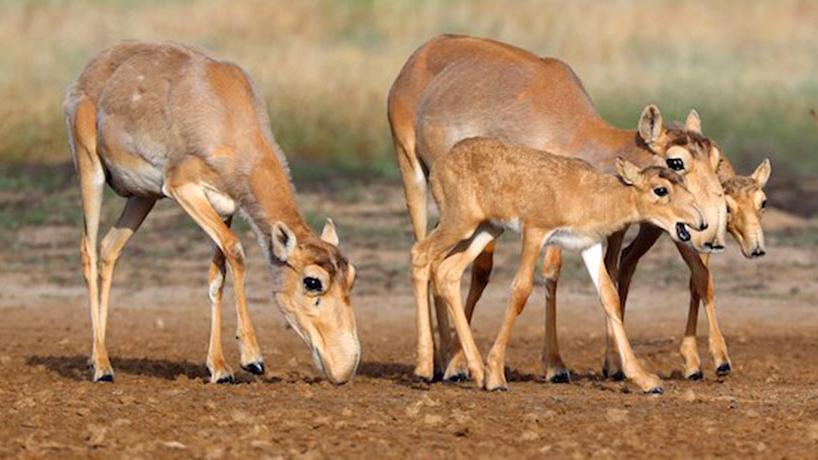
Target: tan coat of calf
(483, 186)
(454, 87)
(166, 120)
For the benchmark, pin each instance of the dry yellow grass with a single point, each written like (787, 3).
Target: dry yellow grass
(324, 67)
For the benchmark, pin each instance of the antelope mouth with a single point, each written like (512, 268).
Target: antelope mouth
(682, 233)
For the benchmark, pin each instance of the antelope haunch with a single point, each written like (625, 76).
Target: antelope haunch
(455, 87)
(484, 186)
(165, 120)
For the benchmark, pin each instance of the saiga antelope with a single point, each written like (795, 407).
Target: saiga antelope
(165, 120)
(483, 186)
(455, 87)
(746, 202)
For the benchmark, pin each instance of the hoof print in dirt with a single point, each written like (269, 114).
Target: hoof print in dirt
(696, 376)
(724, 370)
(256, 368)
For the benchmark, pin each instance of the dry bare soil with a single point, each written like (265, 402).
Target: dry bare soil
(161, 406)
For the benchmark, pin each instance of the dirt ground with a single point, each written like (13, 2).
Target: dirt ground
(161, 406)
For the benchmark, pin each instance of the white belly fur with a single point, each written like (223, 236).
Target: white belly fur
(568, 239)
(144, 180)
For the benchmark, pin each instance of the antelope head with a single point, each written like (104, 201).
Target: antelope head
(663, 200)
(313, 291)
(746, 202)
(695, 158)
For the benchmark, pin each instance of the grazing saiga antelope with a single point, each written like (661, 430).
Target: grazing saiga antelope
(165, 120)
(455, 87)
(484, 186)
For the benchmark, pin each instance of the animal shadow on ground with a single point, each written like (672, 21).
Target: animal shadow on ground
(76, 367)
(402, 374)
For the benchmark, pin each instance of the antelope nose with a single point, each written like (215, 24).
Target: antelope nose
(758, 252)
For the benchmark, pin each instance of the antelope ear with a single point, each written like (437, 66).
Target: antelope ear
(328, 234)
(352, 274)
(693, 122)
(628, 172)
(650, 125)
(282, 241)
(762, 173)
(714, 157)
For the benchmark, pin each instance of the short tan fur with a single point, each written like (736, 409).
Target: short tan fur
(483, 186)
(166, 120)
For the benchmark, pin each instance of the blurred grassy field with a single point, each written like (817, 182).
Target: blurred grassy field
(749, 67)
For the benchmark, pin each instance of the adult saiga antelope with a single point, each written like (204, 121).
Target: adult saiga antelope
(484, 185)
(455, 87)
(165, 120)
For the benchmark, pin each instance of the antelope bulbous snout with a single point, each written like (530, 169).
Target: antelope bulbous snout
(339, 360)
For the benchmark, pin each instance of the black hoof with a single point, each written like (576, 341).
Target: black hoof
(617, 376)
(562, 377)
(256, 368)
(456, 378)
(656, 391)
(438, 376)
(105, 378)
(499, 390)
(226, 380)
(724, 369)
(695, 376)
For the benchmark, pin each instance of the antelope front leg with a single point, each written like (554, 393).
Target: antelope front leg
(718, 347)
(193, 200)
(689, 348)
(220, 372)
(555, 370)
(701, 282)
(520, 290)
(595, 265)
(647, 237)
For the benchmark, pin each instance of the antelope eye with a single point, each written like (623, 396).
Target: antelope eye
(676, 164)
(763, 204)
(312, 284)
(660, 191)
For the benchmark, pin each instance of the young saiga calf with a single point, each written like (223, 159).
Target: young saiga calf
(484, 186)
(166, 120)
